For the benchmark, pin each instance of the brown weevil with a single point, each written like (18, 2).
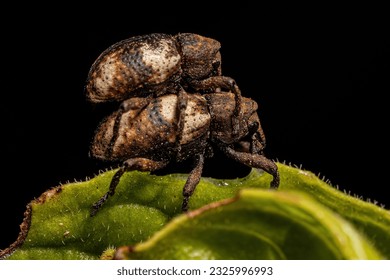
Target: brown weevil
(154, 64)
(148, 137)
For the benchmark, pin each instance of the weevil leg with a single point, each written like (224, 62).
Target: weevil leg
(192, 181)
(114, 182)
(255, 161)
(135, 103)
(214, 84)
(236, 117)
(140, 164)
(258, 142)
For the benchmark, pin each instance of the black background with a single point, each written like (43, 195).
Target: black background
(319, 75)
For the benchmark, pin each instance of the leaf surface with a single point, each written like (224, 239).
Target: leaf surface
(146, 208)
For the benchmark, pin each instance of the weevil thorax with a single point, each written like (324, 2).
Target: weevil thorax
(122, 70)
(221, 106)
(152, 131)
(200, 56)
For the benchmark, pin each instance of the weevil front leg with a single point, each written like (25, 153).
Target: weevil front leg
(140, 164)
(255, 161)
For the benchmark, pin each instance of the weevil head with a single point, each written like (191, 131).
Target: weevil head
(221, 106)
(200, 56)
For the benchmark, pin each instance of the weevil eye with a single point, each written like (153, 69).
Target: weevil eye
(216, 64)
(216, 67)
(253, 127)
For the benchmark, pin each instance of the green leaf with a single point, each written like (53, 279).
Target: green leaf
(57, 225)
(258, 224)
(368, 218)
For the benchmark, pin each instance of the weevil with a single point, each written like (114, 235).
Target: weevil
(154, 64)
(148, 137)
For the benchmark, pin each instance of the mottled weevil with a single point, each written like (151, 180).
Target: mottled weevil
(153, 64)
(147, 137)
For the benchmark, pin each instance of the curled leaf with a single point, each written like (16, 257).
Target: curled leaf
(257, 224)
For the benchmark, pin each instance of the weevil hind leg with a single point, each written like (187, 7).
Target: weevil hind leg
(114, 182)
(255, 161)
(192, 181)
(140, 164)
